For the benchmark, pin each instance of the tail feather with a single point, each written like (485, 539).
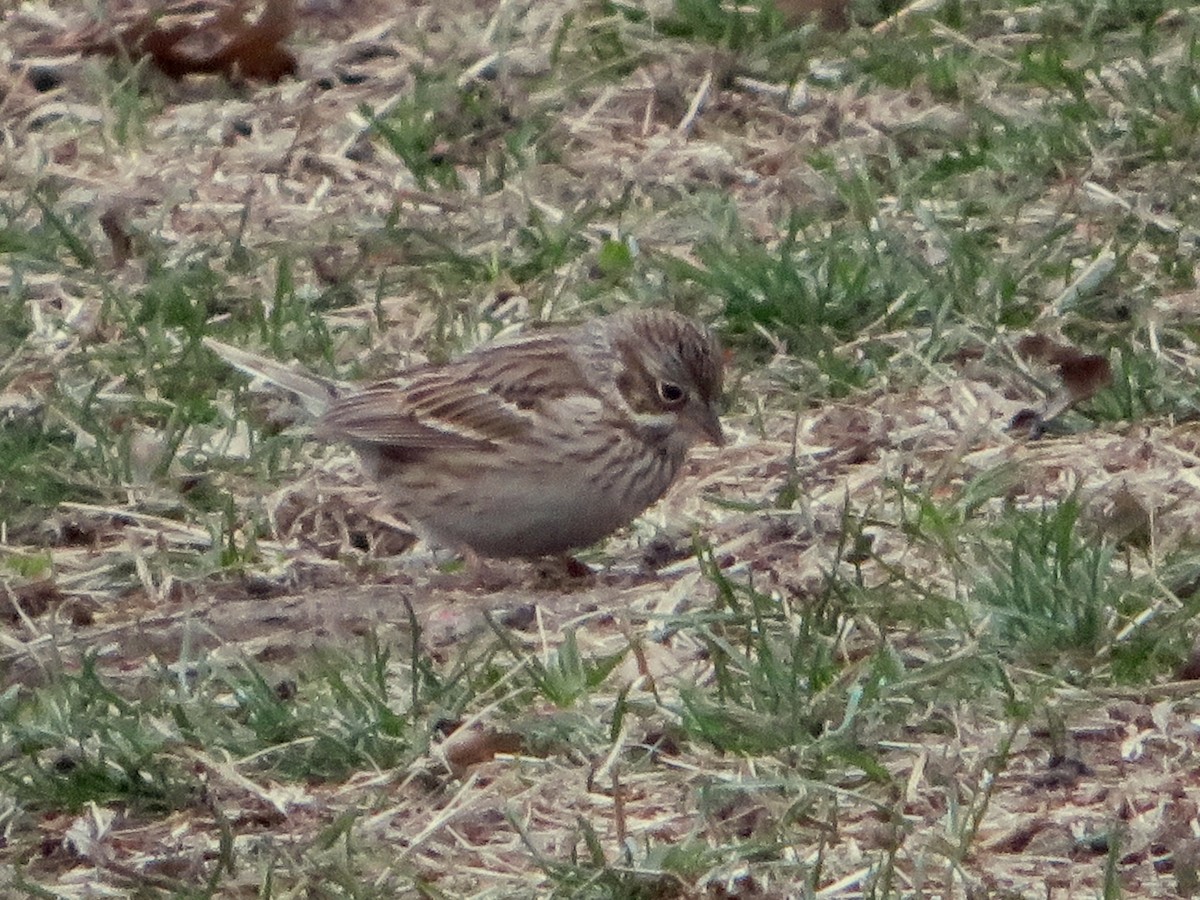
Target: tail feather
(314, 392)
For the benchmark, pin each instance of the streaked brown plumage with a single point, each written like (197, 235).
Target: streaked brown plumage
(528, 447)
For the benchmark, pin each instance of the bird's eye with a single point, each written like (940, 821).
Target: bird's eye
(671, 394)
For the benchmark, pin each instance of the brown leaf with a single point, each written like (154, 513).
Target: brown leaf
(1085, 376)
(469, 747)
(222, 43)
(112, 222)
(1082, 376)
(1045, 350)
(256, 52)
(1190, 669)
(29, 600)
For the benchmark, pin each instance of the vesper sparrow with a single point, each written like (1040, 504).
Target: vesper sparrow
(528, 447)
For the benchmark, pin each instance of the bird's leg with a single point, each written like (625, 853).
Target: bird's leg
(575, 568)
(562, 570)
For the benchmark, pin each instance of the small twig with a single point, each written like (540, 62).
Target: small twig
(698, 100)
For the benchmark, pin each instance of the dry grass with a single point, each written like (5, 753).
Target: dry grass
(949, 182)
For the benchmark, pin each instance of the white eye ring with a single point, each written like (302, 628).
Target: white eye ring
(671, 394)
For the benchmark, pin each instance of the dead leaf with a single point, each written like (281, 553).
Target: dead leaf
(222, 42)
(1190, 669)
(1085, 376)
(470, 746)
(31, 600)
(1045, 350)
(1081, 375)
(112, 222)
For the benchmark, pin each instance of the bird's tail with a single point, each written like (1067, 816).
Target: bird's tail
(313, 392)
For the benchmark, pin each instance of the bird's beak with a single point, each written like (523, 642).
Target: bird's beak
(710, 425)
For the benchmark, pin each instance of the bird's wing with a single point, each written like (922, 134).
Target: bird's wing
(486, 398)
